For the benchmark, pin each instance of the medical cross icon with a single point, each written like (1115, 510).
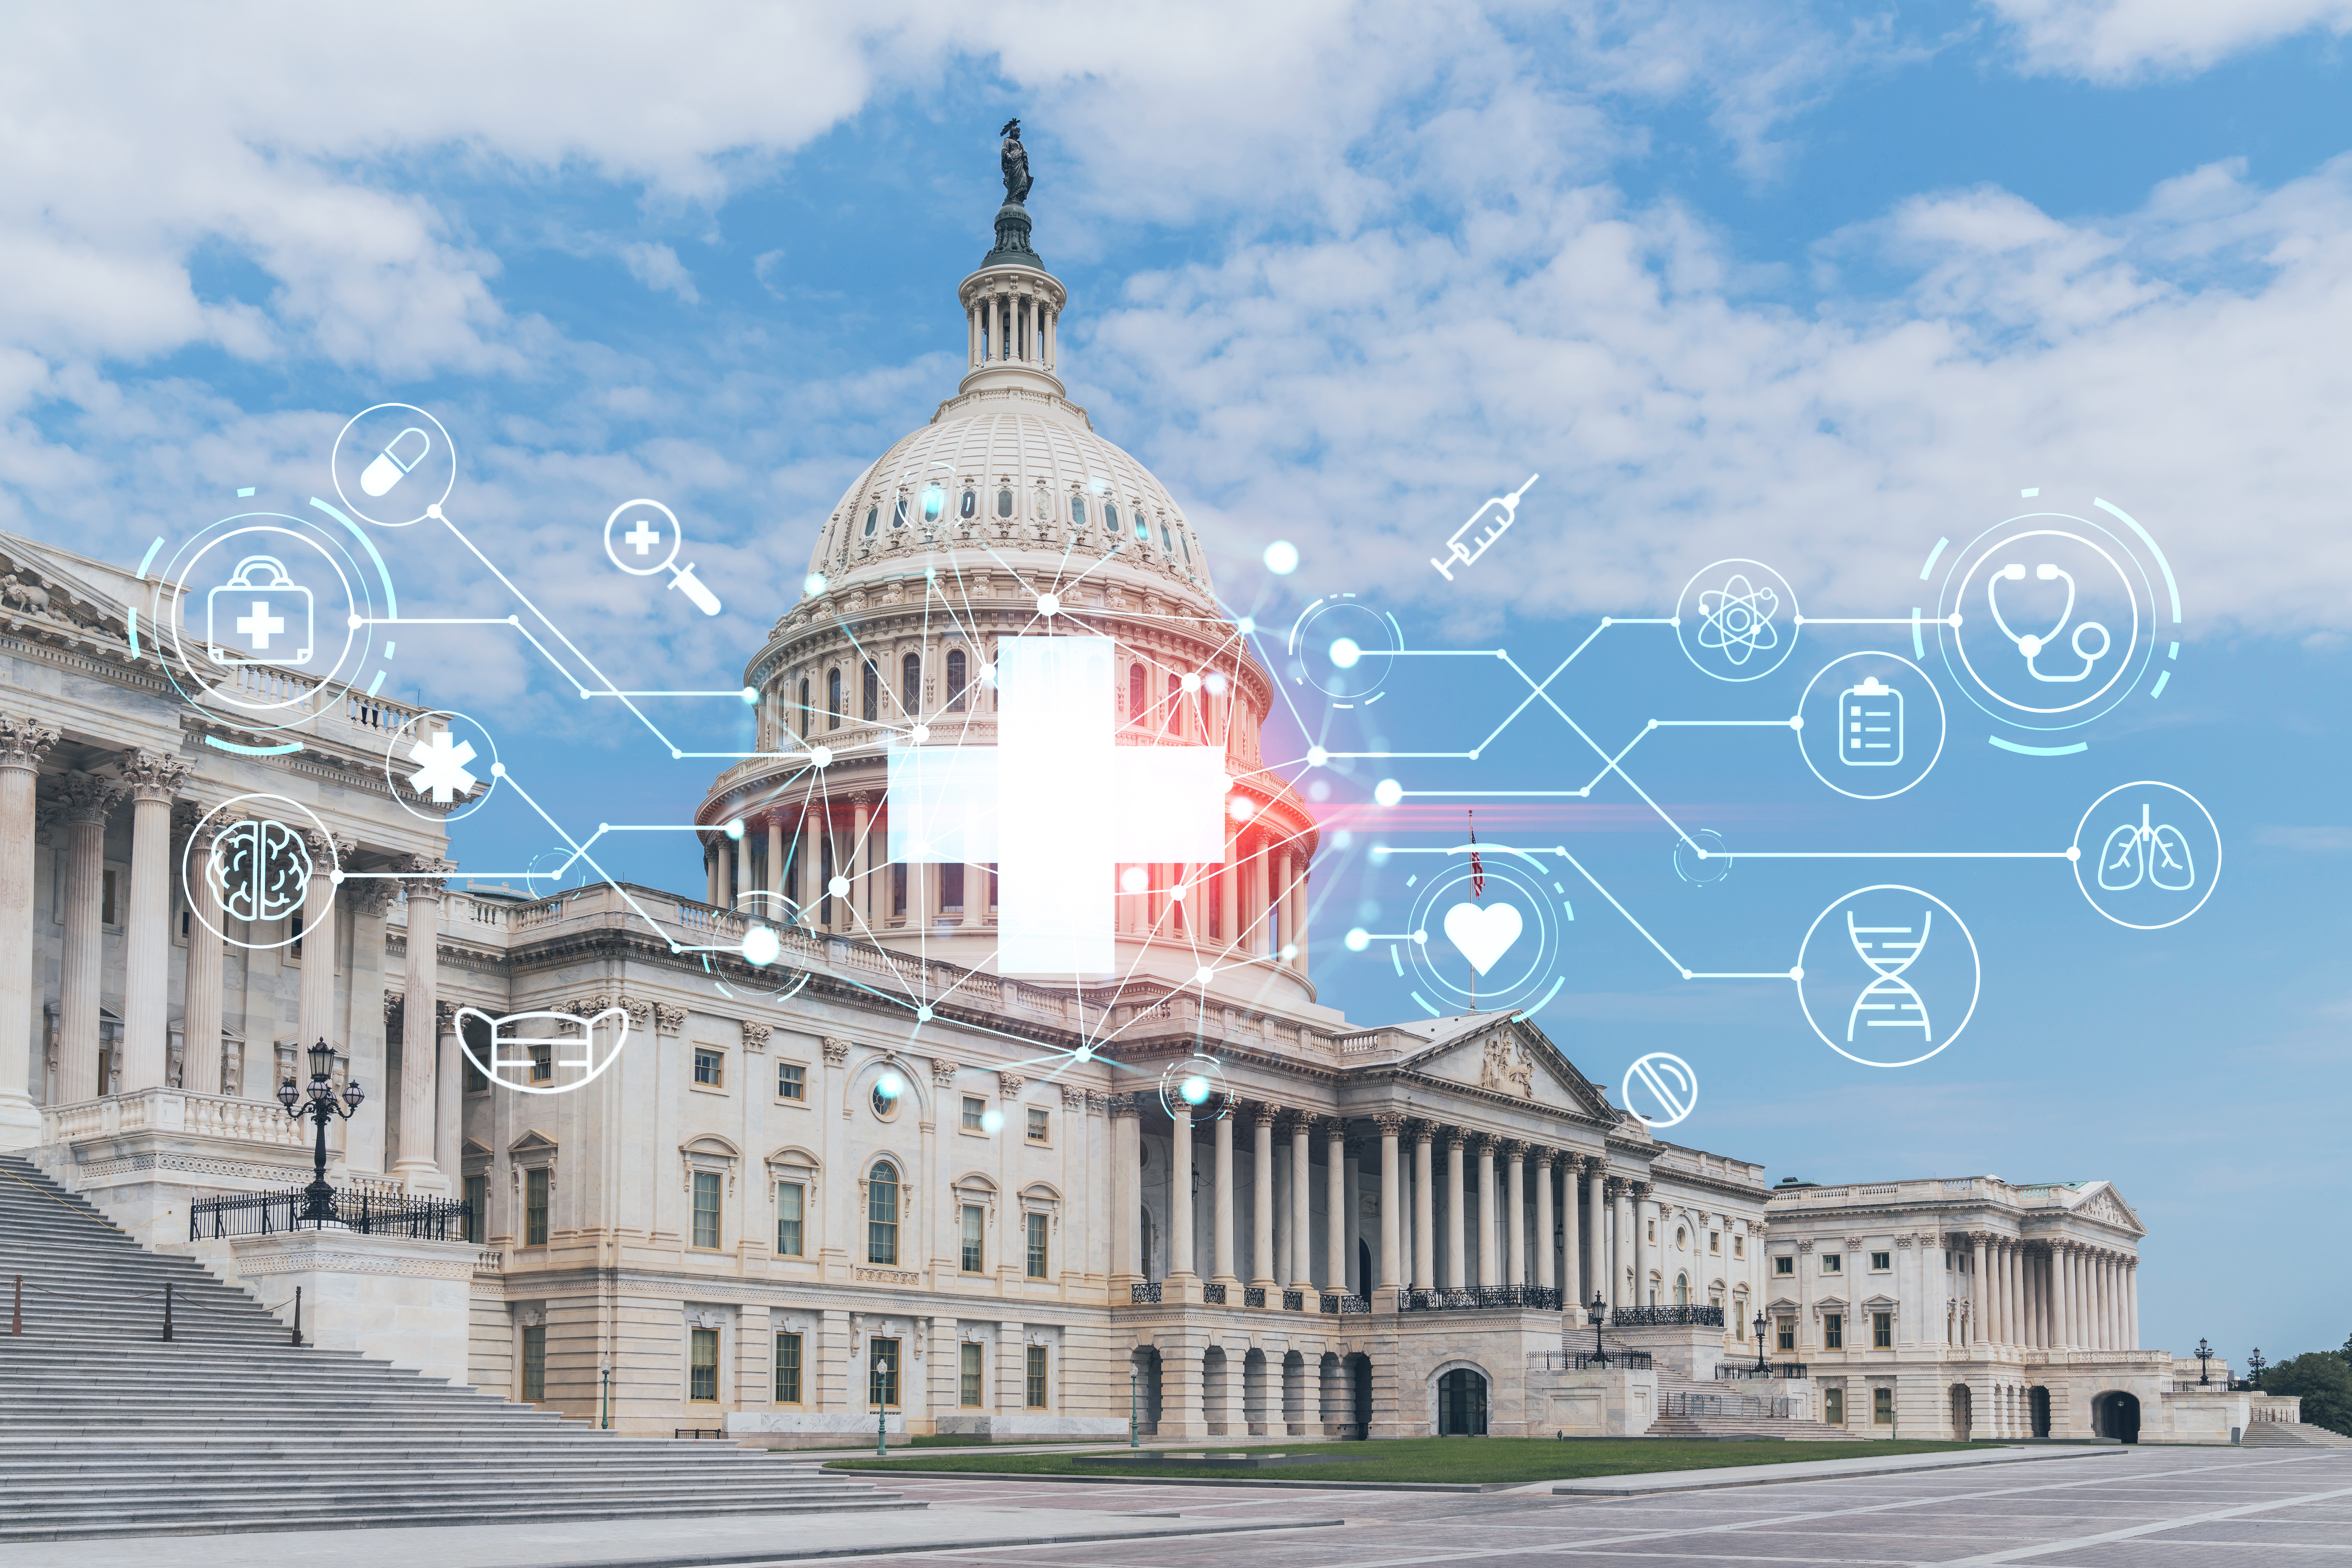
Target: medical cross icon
(1056, 804)
(643, 537)
(260, 625)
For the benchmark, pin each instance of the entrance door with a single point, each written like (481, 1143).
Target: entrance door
(2117, 1415)
(1462, 1403)
(1360, 1386)
(2038, 1398)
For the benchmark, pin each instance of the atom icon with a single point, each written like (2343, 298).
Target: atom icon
(1736, 619)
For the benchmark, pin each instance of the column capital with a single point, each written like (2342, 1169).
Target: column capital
(756, 1036)
(1008, 1084)
(1511, 1149)
(1390, 1124)
(1422, 1131)
(423, 875)
(835, 1052)
(1073, 1098)
(23, 742)
(943, 1071)
(1544, 1155)
(1266, 1114)
(1617, 1187)
(1981, 1238)
(1125, 1105)
(1596, 1166)
(1641, 1190)
(445, 1017)
(1453, 1138)
(373, 896)
(154, 775)
(1333, 1128)
(85, 797)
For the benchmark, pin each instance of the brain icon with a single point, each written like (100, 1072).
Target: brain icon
(259, 871)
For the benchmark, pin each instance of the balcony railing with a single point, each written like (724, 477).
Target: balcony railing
(1478, 1298)
(1345, 1306)
(1294, 1300)
(1215, 1295)
(1144, 1295)
(1253, 1295)
(1666, 1317)
(1583, 1361)
(370, 1214)
(1788, 1369)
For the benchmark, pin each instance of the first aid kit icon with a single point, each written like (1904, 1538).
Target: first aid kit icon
(260, 616)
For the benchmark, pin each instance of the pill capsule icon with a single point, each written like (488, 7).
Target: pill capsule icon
(389, 467)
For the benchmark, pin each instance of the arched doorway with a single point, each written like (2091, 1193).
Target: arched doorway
(2117, 1415)
(1363, 1269)
(1146, 1395)
(1357, 1371)
(2037, 1408)
(1963, 1411)
(1462, 1403)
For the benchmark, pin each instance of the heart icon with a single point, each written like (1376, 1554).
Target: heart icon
(1483, 935)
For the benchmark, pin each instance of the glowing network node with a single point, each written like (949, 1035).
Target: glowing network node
(1317, 756)
(735, 829)
(1049, 603)
(1205, 975)
(920, 735)
(1345, 653)
(814, 584)
(1191, 680)
(991, 1122)
(750, 696)
(1282, 558)
(838, 887)
(1358, 939)
(762, 946)
(1193, 1089)
(820, 756)
(889, 1086)
(1387, 792)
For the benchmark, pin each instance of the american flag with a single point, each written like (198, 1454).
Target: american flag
(1477, 868)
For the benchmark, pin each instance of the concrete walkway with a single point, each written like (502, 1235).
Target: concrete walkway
(630, 1543)
(1805, 1470)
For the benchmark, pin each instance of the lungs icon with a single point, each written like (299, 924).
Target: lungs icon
(2157, 854)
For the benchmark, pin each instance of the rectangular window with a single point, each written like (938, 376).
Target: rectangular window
(1784, 1266)
(1882, 1330)
(1788, 1335)
(1037, 1126)
(967, 1376)
(477, 1080)
(534, 1206)
(543, 1062)
(1738, 1245)
(1832, 1331)
(790, 1197)
(788, 1369)
(534, 1360)
(1653, 1232)
(1881, 1262)
(975, 1254)
(1714, 1241)
(974, 1108)
(882, 1374)
(1033, 1379)
(703, 1368)
(705, 1209)
(477, 1209)
(1036, 1223)
(1832, 1262)
(1834, 1407)
(1882, 1406)
(709, 1066)
(791, 1081)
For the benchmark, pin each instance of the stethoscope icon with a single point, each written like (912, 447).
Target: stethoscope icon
(2032, 648)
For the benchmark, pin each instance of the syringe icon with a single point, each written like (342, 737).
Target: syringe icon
(1506, 506)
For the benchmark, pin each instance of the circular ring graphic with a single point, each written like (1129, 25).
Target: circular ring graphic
(1344, 648)
(442, 766)
(2056, 620)
(398, 458)
(1736, 620)
(1888, 973)
(1701, 871)
(1504, 943)
(1873, 722)
(261, 617)
(1196, 1086)
(258, 868)
(1668, 1084)
(2136, 857)
(643, 534)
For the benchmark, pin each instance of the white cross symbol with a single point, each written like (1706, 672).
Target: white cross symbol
(260, 625)
(1056, 805)
(642, 536)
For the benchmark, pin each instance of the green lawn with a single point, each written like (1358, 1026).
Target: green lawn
(1502, 1459)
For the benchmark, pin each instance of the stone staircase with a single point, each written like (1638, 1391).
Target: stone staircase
(1733, 1407)
(2293, 1434)
(107, 1431)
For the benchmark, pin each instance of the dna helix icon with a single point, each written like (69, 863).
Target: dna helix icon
(1889, 952)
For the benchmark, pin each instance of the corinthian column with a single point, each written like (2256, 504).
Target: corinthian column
(1221, 1213)
(1179, 1192)
(1490, 1271)
(1125, 1162)
(151, 780)
(417, 1167)
(1261, 1190)
(1543, 1219)
(1641, 1192)
(22, 742)
(1391, 1198)
(1515, 1214)
(1457, 1231)
(200, 1011)
(1302, 1198)
(1425, 1239)
(86, 799)
(1621, 1252)
(1599, 1264)
(1335, 1181)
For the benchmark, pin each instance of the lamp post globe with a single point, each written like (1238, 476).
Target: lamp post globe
(881, 1416)
(2204, 1354)
(1599, 1311)
(1760, 1326)
(318, 1198)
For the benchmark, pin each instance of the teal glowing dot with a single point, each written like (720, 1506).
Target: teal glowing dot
(735, 829)
(1345, 653)
(762, 946)
(1387, 792)
(1193, 1089)
(750, 696)
(890, 1086)
(991, 1122)
(1358, 939)
(1282, 558)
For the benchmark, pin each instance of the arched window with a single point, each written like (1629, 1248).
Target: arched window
(1004, 503)
(1078, 510)
(808, 720)
(870, 699)
(1167, 539)
(898, 512)
(873, 515)
(911, 684)
(1186, 544)
(1682, 1291)
(969, 508)
(1110, 518)
(1136, 693)
(833, 699)
(882, 1213)
(1042, 505)
(1176, 705)
(935, 502)
(955, 681)
(1142, 529)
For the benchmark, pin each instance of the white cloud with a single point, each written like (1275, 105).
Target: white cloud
(2119, 40)
(658, 268)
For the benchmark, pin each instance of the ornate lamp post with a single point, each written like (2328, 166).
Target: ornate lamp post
(1760, 1326)
(881, 1387)
(1599, 1311)
(317, 1102)
(1134, 1418)
(2204, 1354)
(2254, 1365)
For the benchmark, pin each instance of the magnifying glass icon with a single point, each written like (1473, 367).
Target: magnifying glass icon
(643, 527)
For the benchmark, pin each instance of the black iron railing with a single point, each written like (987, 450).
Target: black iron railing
(1215, 1295)
(1749, 1404)
(1294, 1300)
(1790, 1369)
(1475, 1297)
(1253, 1295)
(370, 1214)
(1345, 1305)
(1580, 1361)
(1666, 1318)
(1144, 1295)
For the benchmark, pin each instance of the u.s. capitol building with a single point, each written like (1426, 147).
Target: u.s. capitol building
(873, 1176)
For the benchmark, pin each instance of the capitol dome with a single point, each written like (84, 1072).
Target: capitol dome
(1006, 515)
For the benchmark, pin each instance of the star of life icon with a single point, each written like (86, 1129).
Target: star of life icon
(2159, 854)
(1504, 507)
(1870, 724)
(259, 871)
(1736, 620)
(1889, 950)
(442, 771)
(546, 1052)
(260, 616)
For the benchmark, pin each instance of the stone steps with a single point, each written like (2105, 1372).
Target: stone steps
(1795, 1427)
(106, 1430)
(2293, 1434)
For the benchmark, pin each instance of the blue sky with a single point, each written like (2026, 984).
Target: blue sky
(1817, 285)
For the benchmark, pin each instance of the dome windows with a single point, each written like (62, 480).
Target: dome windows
(873, 515)
(1188, 547)
(1142, 528)
(969, 508)
(898, 512)
(1110, 517)
(1138, 693)
(911, 684)
(935, 503)
(833, 699)
(1078, 510)
(956, 703)
(1004, 503)
(1042, 507)
(1167, 541)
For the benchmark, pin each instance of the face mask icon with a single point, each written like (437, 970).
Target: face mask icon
(2158, 854)
(390, 466)
(2031, 646)
(546, 1052)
